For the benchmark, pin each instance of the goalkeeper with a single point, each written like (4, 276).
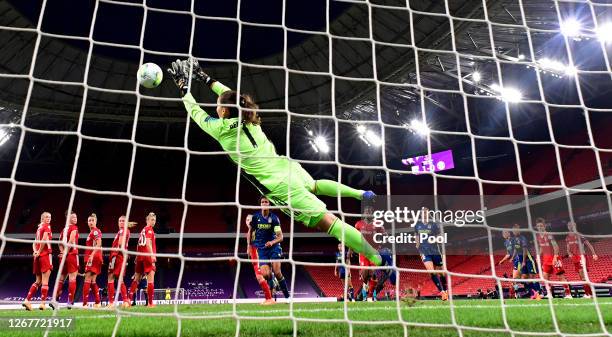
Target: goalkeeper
(281, 180)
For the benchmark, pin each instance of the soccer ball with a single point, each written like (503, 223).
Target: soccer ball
(150, 75)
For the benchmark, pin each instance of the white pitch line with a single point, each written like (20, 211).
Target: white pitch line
(364, 309)
(404, 307)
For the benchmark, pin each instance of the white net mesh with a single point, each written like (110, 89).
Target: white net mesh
(476, 57)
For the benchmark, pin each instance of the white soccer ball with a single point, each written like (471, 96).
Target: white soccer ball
(150, 75)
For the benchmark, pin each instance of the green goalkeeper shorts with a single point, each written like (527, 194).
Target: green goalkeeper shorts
(295, 192)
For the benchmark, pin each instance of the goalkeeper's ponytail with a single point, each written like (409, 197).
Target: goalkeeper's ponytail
(246, 103)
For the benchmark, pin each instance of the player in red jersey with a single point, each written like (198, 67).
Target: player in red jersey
(93, 260)
(575, 248)
(43, 264)
(116, 264)
(252, 254)
(549, 258)
(70, 235)
(367, 229)
(145, 264)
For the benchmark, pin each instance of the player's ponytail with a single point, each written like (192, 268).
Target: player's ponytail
(246, 103)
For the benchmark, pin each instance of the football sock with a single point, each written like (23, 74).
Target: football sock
(150, 291)
(124, 294)
(86, 286)
(354, 240)
(96, 291)
(436, 281)
(32, 291)
(111, 292)
(266, 289)
(133, 289)
(537, 287)
(59, 289)
(71, 290)
(443, 282)
(283, 285)
(43, 292)
(331, 188)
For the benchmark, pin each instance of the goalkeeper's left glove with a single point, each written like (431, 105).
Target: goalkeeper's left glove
(179, 71)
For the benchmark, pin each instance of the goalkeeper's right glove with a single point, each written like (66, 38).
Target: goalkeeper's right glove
(198, 72)
(179, 70)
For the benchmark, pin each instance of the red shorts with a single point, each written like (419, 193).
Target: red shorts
(549, 268)
(579, 261)
(255, 257)
(71, 265)
(116, 264)
(144, 265)
(42, 264)
(95, 266)
(364, 262)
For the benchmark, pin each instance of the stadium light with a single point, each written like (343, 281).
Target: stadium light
(4, 136)
(361, 129)
(320, 143)
(570, 27)
(558, 67)
(604, 32)
(373, 138)
(571, 71)
(521, 57)
(368, 136)
(508, 94)
(476, 77)
(511, 95)
(419, 127)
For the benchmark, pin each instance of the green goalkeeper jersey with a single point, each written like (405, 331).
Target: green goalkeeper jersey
(257, 155)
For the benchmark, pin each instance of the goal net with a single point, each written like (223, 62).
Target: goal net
(500, 107)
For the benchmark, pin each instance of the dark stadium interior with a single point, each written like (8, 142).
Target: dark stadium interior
(80, 139)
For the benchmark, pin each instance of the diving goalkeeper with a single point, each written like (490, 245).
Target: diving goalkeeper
(282, 181)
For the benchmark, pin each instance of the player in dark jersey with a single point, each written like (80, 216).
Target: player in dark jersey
(70, 235)
(575, 243)
(344, 256)
(510, 253)
(252, 254)
(524, 264)
(268, 236)
(509, 245)
(430, 253)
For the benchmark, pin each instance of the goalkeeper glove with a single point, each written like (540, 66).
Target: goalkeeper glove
(198, 72)
(179, 70)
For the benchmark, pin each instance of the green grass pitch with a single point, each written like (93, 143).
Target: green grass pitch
(577, 316)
